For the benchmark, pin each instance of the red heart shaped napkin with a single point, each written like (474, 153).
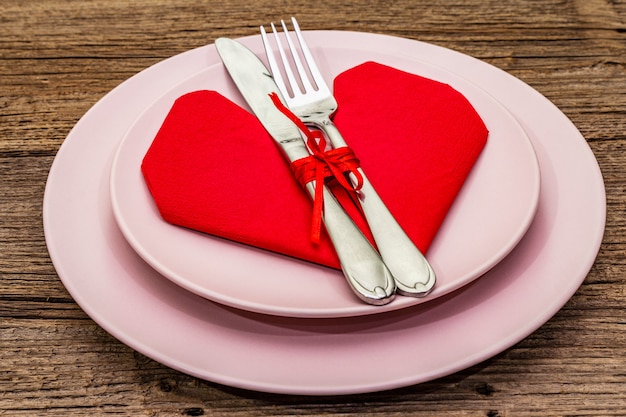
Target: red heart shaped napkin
(213, 168)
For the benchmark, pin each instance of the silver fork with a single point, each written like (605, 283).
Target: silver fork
(314, 106)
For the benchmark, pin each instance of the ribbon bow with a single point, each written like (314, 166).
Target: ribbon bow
(320, 165)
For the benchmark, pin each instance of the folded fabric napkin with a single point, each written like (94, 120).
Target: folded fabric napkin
(212, 167)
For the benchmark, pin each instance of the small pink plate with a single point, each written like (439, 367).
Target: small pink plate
(489, 217)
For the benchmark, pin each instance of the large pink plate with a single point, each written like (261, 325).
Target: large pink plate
(129, 299)
(487, 220)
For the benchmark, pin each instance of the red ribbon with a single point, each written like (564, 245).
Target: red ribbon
(320, 165)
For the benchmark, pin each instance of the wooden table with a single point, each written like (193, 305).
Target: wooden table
(58, 58)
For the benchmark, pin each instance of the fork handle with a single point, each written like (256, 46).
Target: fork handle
(413, 274)
(362, 266)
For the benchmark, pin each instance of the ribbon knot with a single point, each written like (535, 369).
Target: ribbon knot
(320, 166)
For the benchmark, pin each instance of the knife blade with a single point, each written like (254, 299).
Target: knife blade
(362, 266)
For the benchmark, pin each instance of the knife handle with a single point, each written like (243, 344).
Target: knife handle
(413, 274)
(362, 266)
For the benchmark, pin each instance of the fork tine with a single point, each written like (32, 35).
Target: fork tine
(286, 88)
(295, 89)
(278, 78)
(306, 83)
(308, 57)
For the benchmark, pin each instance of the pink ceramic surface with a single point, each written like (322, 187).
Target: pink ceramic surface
(489, 217)
(129, 299)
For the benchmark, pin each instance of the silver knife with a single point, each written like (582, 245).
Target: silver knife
(362, 266)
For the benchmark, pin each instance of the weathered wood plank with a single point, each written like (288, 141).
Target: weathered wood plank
(59, 57)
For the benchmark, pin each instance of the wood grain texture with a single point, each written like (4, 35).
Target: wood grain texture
(58, 58)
